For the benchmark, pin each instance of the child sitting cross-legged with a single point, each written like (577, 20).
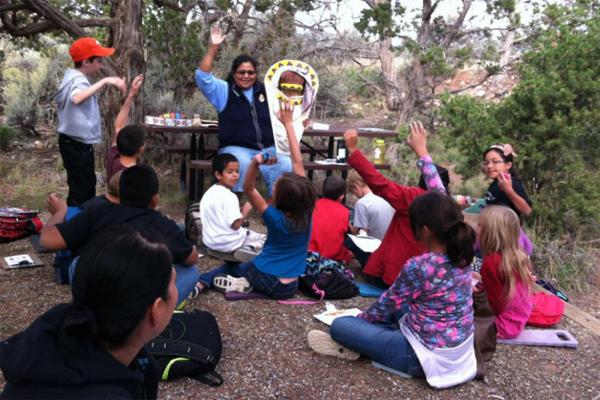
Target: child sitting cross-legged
(423, 325)
(220, 211)
(276, 269)
(330, 222)
(506, 270)
(372, 215)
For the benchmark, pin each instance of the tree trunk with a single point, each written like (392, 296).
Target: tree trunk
(388, 69)
(128, 60)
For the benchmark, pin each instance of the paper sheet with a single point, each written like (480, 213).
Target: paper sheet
(366, 243)
(328, 316)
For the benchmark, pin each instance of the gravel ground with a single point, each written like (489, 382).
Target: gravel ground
(266, 355)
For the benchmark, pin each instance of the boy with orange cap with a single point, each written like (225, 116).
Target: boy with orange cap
(79, 126)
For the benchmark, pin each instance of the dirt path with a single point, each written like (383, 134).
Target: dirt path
(266, 355)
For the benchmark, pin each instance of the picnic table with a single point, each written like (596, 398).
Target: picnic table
(200, 154)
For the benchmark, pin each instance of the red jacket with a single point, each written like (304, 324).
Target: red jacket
(330, 222)
(398, 244)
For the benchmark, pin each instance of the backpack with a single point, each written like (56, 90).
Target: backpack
(485, 331)
(547, 310)
(190, 346)
(327, 279)
(193, 224)
(17, 223)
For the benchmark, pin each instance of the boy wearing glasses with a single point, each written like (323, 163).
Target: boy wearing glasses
(79, 126)
(244, 121)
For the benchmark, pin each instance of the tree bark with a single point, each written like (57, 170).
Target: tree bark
(128, 60)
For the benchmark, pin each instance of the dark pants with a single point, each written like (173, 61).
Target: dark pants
(260, 281)
(361, 256)
(78, 160)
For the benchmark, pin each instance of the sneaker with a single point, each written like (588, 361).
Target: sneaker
(322, 343)
(228, 283)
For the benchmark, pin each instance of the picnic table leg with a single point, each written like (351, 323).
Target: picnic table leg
(193, 173)
(330, 150)
(201, 156)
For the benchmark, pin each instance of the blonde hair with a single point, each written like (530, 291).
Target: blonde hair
(355, 179)
(500, 230)
(113, 184)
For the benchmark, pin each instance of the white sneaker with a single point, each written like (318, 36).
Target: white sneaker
(228, 283)
(322, 343)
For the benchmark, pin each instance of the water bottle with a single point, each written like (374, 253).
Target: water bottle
(379, 151)
(341, 151)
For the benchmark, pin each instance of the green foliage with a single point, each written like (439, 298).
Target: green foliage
(6, 135)
(379, 20)
(434, 59)
(552, 118)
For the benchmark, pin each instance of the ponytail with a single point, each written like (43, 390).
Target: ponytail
(442, 216)
(459, 244)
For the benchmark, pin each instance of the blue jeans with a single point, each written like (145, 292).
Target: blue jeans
(270, 173)
(260, 281)
(185, 280)
(380, 342)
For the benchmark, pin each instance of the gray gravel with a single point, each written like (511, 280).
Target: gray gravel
(266, 356)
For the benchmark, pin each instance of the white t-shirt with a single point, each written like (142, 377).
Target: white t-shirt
(373, 213)
(219, 208)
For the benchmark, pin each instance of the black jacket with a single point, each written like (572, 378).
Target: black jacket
(34, 367)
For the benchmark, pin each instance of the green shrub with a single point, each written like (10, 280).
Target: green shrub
(6, 135)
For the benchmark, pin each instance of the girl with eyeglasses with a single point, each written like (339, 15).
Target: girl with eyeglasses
(506, 188)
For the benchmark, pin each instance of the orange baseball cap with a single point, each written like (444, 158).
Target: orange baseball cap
(87, 47)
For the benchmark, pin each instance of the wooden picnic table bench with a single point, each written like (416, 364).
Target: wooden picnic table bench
(200, 152)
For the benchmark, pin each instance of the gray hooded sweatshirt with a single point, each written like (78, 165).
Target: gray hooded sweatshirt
(79, 121)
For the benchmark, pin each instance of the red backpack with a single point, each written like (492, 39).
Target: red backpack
(547, 310)
(17, 223)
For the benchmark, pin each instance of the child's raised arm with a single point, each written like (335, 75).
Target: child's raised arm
(285, 115)
(258, 202)
(123, 115)
(417, 140)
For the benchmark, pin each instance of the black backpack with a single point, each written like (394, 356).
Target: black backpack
(327, 279)
(189, 346)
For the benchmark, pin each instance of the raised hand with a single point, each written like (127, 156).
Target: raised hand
(216, 35)
(119, 83)
(286, 112)
(417, 139)
(351, 139)
(505, 182)
(135, 85)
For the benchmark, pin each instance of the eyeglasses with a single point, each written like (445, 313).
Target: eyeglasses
(495, 162)
(242, 73)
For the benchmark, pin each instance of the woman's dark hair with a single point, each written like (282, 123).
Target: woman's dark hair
(442, 216)
(444, 176)
(239, 60)
(120, 274)
(295, 196)
(506, 158)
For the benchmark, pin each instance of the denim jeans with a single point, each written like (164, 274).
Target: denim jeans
(185, 280)
(380, 342)
(260, 281)
(270, 173)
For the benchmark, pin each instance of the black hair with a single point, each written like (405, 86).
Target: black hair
(333, 187)
(79, 64)
(120, 274)
(444, 176)
(442, 216)
(130, 139)
(139, 183)
(506, 158)
(220, 161)
(295, 196)
(239, 60)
